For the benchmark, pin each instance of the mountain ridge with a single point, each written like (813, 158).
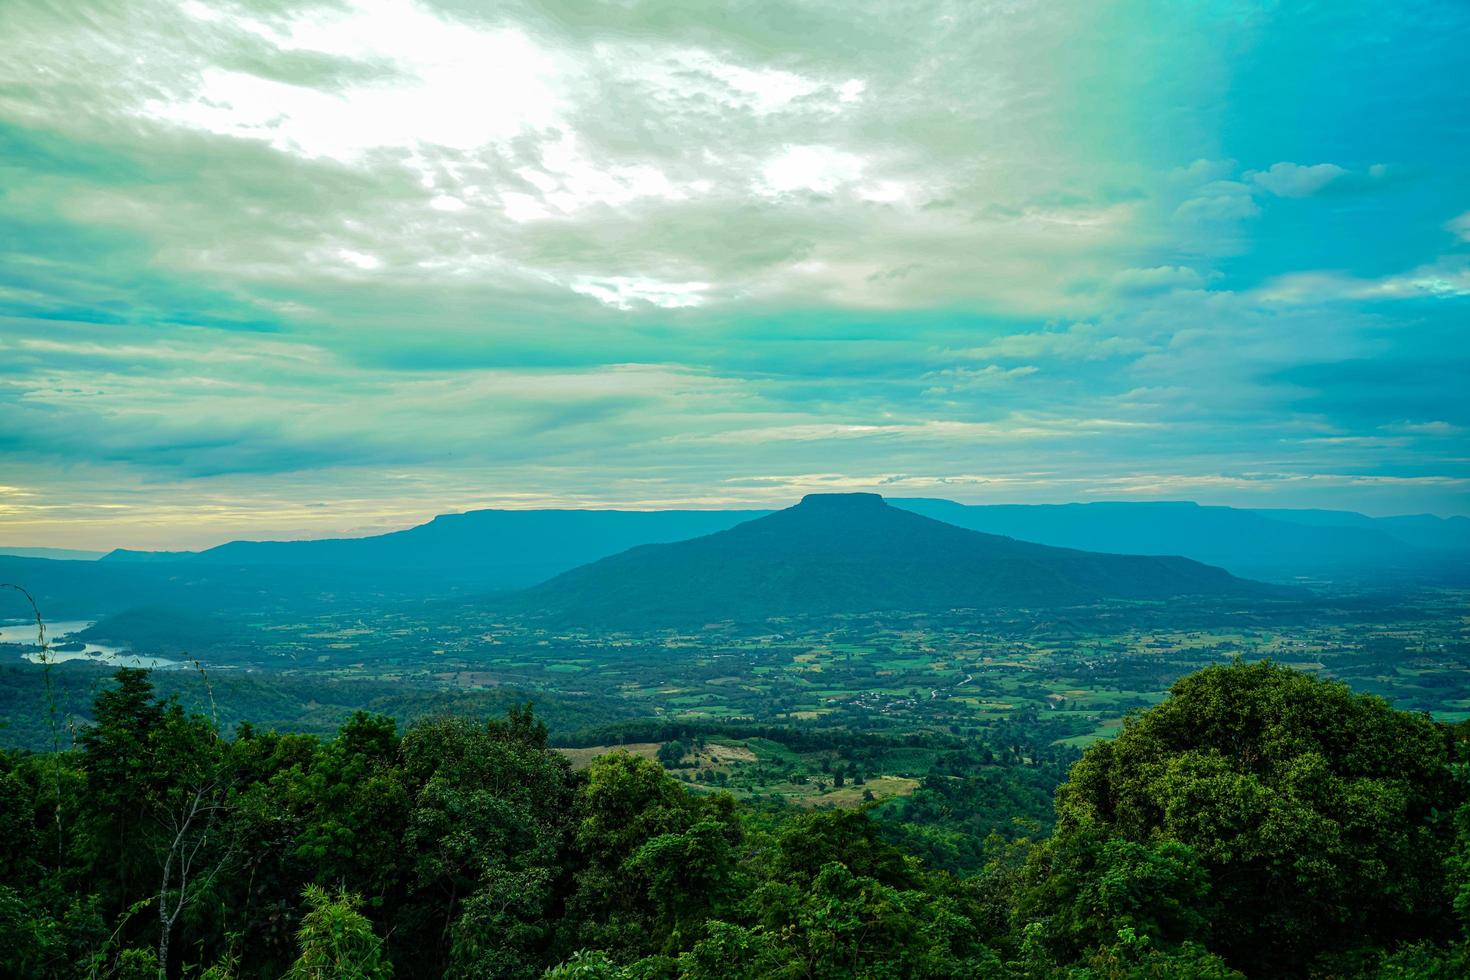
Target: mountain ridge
(1248, 542)
(509, 549)
(855, 553)
(489, 548)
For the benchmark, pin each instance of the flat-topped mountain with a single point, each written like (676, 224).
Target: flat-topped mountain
(853, 553)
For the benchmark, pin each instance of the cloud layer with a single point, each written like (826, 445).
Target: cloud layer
(312, 268)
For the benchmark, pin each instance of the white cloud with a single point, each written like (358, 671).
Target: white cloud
(819, 169)
(568, 180)
(1445, 279)
(1217, 201)
(1159, 278)
(1459, 227)
(1079, 342)
(547, 154)
(625, 292)
(1294, 180)
(359, 259)
(690, 77)
(429, 64)
(1015, 427)
(1436, 427)
(959, 379)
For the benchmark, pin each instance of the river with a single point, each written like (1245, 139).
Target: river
(63, 633)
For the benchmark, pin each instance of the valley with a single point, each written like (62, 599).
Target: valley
(894, 702)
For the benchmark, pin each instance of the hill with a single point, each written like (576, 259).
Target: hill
(853, 553)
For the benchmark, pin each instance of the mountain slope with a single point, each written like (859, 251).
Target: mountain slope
(851, 553)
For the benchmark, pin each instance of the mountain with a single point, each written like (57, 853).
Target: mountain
(478, 550)
(1273, 545)
(854, 553)
(489, 550)
(55, 554)
(93, 589)
(1426, 531)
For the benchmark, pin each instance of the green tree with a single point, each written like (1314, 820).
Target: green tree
(846, 925)
(159, 796)
(502, 928)
(352, 807)
(1313, 811)
(686, 872)
(490, 812)
(588, 964)
(121, 768)
(733, 952)
(1133, 956)
(671, 754)
(1088, 888)
(650, 856)
(625, 801)
(806, 845)
(337, 941)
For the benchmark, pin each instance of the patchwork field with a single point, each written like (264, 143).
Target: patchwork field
(841, 712)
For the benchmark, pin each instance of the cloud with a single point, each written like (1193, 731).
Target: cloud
(424, 64)
(1159, 278)
(818, 169)
(401, 256)
(1294, 180)
(625, 292)
(516, 149)
(1436, 427)
(1446, 279)
(1079, 341)
(1459, 227)
(960, 379)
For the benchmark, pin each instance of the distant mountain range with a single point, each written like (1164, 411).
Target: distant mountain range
(479, 550)
(489, 551)
(1277, 545)
(55, 554)
(853, 553)
(509, 549)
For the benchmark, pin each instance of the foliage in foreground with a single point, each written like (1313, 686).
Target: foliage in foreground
(1258, 822)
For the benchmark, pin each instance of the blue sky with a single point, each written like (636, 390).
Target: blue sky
(296, 269)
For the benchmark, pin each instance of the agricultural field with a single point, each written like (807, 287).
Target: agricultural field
(841, 712)
(1078, 676)
(1072, 680)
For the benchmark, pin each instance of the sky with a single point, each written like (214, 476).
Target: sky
(297, 269)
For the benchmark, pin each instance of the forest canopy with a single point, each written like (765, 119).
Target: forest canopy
(1257, 822)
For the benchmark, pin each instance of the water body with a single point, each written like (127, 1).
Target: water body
(63, 634)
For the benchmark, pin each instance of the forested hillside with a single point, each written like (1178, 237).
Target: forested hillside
(1259, 822)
